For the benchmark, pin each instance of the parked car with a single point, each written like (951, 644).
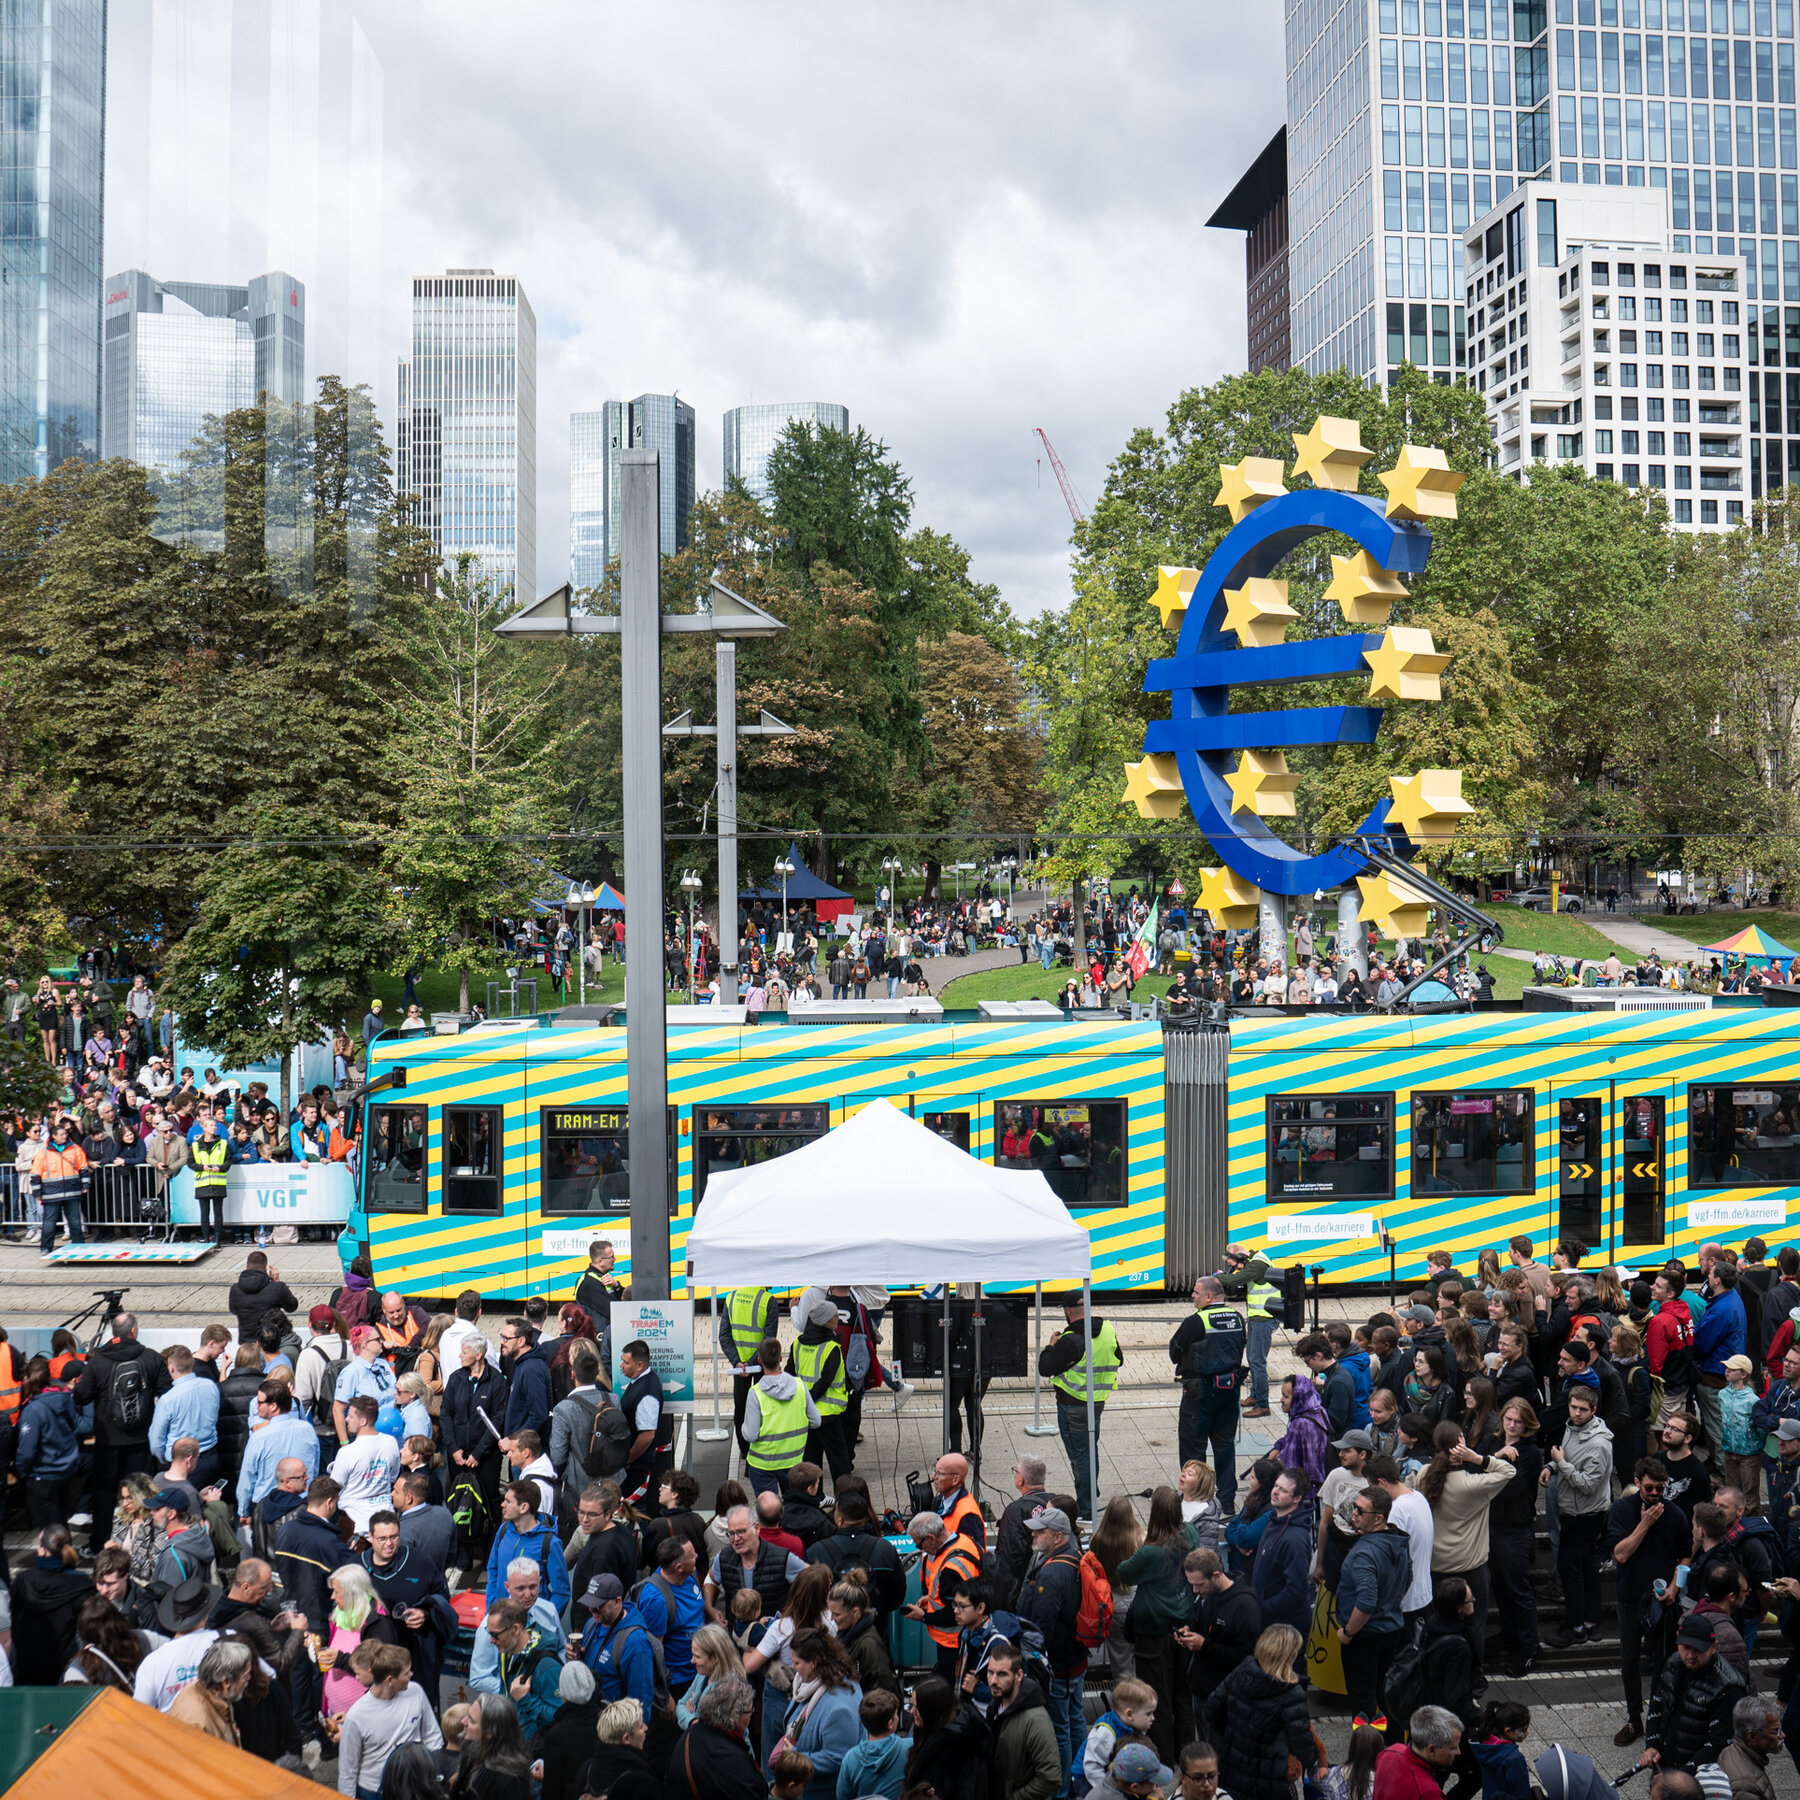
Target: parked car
(1537, 899)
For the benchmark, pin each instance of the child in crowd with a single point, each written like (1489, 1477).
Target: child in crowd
(791, 1772)
(1384, 1423)
(1743, 1442)
(878, 1764)
(1415, 1444)
(1503, 1726)
(1130, 1717)
(1354, 1777)
(746, 1618)
(1200, 1503)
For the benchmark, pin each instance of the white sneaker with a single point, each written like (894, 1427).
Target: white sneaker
(81, 1518)
(902, 1394)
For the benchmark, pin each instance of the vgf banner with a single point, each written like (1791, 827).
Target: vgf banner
(273, 1194)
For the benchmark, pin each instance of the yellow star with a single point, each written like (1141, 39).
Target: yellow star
(1258, 611)
(1428, 805)
(1228, 897)
(1331, 453)
(1421, 485)
(1174, 589)
(1406, 666)
(1398, 910)
(1364, 589)
(1247, 484)
(1261, 784)
(1153, 786)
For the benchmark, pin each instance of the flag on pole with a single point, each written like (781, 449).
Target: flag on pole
(1143, 946)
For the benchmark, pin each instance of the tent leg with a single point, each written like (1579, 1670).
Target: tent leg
(1037, 1427)
(949, 1289)
(1093, 1445)
(715, 1433)
(975, 1484)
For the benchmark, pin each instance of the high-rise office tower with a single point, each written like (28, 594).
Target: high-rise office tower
(53, 168)
(466, 437)
(659, 422)
(1597, 343)
(177, 353)
(1258, 207)
(751, 431)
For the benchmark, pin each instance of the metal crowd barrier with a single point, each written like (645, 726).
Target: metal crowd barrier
(121, 1202)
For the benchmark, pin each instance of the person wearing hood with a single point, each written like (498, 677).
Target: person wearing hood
(46, 1596)
(780, 1419)
(565, 1745)
(356, 1299)
(529, 1394)
(1371, 1601)
(817, 1359)
(1583, 1462)
(188, 1547)
(1065, 1361)
(258, 1290)
(1306, 1443)
(47, 1457)
(1691, 1706)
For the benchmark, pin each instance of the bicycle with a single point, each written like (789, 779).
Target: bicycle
(107, 1303)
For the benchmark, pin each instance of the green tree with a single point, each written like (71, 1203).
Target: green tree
(475, 760)
(28, 1084)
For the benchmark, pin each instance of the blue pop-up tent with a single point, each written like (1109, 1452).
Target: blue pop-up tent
(804, 888)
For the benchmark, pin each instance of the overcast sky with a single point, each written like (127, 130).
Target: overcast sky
(960, 222)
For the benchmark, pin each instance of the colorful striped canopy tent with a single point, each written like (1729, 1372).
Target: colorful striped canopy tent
(1752, 944)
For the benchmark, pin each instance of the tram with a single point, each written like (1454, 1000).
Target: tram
(1350, 1143)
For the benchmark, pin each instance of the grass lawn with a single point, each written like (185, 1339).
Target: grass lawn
(1023, 981)
(1558, 933)
(1715, 927)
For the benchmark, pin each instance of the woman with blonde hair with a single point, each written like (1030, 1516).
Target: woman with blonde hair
(1487, 1271)
(620, 1770)
(429, 1363)
(1200, 1503)
(715, 1655)
(1257, 1720)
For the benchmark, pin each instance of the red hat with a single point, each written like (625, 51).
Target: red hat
(321, 1318)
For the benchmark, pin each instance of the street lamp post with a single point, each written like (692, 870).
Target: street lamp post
(587, 895)
(891, 867)
(690, 885)
(784, 869)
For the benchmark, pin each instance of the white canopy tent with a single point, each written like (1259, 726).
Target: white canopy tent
(883, 1201)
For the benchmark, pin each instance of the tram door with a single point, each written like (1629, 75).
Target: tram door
(1611, 1169)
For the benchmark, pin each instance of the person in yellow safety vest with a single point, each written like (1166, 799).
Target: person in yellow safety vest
(819, 1362)
(1251, 1279)
(209, 1154)
(748, 1319)
(947, 1564)
(779, 1418)
(956, 1506)
(1064, 1361)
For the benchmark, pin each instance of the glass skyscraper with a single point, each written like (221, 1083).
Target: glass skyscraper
(751, 431)
(659, 422)
(52, 190)
(466, 441)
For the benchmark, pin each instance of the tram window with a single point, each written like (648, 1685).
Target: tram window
(395, 1159)
(472, 1156)
(1581, 1183)
(1743, 1136)
(1643, 1184)
(1330, 1146)
(1079, 1144)
(1473, 1142)
(733, 1137)
(584, 1160)
(952, 1127)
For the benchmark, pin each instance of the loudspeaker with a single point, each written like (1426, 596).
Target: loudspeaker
(919, 1337)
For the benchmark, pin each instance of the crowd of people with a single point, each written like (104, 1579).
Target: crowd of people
(444, 1557)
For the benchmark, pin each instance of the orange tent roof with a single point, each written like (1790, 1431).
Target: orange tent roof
(115, 1746)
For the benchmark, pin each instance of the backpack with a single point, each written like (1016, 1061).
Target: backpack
(1028, 1640)
(403, 1357)
(1093, 1623)
(128, 1403)
(609, 1441)
(857, 1360)
(467, 1506)
(1405, 1689)
(662, 1698)
(334, 1367)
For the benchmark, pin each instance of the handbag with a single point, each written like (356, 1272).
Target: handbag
(785, 1742)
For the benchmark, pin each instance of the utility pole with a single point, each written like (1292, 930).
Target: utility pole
(646, 1036)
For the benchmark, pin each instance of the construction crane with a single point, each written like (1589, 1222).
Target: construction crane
(1077, 506)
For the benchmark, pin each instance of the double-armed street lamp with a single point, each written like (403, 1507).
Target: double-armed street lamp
(892, 867)
(583, 896)
(784, 868)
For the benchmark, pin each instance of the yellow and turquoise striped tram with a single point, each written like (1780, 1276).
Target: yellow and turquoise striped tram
(1643, 1134)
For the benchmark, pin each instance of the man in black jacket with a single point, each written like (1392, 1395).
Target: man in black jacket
(1645, 1536)
(121, 1380)
(307, 1550)
(1228, 1619)
(1051, 1600)
(258, 1290)
(856, 1543)
(1012, 1553)
(412, 1589)
(1691, 1705)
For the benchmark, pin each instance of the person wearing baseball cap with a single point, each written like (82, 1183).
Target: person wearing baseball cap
(188, 1549)
(316, 1371)
(1690, 1708)
(1137, 1773)
(1337, 1503)
(615, 1645)
(1050, 1598)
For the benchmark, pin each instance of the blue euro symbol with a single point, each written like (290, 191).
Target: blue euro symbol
(1201, 730)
